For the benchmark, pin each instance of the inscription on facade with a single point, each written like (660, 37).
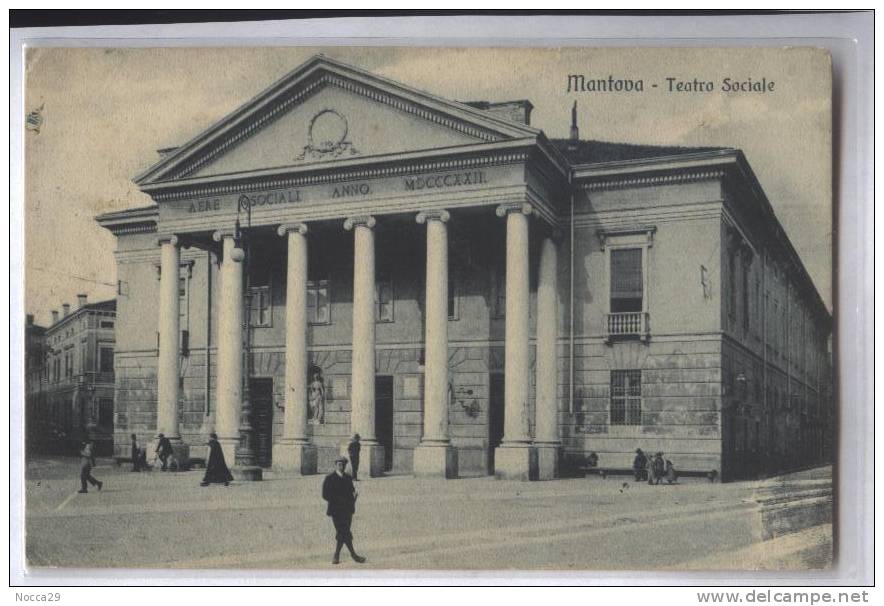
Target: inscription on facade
(473, 177)
(351, 189)
(268, 198)
(199, 206)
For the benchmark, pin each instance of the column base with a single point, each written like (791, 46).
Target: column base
(515, 462)
(435, 460)
(548, 461)
(296, 458)
(247, 473)
(180, 460)
(371, 459)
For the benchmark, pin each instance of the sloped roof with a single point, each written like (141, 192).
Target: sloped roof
(595, 152)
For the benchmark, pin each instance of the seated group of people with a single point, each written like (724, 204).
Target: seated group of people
(654, 470)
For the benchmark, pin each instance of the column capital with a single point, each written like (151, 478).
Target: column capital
(170, 238)
(512, 207)
(285, 228)
(432, 215)
(220, 234)
(363, 220)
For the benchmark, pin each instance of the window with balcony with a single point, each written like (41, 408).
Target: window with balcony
(626, 397)
(627, 252)
(627, 286)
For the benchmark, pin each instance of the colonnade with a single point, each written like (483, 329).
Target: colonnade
(520, 455)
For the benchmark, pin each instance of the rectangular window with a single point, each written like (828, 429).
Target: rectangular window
(106, 359)
(68, 363)
(84, 362)
(627, 285)
(107, 324)
(259, 306)
(499, 309)
(626, 397)
(383, 300)
(318, 307)
(452, 299)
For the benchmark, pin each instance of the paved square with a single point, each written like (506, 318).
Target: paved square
(166, 520)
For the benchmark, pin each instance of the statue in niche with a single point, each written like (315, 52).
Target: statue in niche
(316, 397)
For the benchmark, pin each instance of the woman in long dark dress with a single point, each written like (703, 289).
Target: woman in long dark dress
(216, 468)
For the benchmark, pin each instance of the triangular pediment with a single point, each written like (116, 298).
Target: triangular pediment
(326, 111)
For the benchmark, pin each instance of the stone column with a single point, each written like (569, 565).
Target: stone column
(295, 452)
(435, 456)
(169, 349)
(546, 435)
(515, 458)
(230, 346)
(362, 398)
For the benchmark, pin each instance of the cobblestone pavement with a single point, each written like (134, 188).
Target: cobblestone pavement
(166, 520)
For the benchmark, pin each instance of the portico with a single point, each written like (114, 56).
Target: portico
(350, 190)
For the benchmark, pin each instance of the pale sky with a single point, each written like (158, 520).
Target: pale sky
(107, 111)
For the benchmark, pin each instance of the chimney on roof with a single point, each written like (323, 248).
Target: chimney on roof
(29, 319)
(81, 301)
(575, 132)
(54, 316)
(67, 309)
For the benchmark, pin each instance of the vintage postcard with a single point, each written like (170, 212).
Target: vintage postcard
(378, 308)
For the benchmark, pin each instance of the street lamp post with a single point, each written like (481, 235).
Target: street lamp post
(245, 467)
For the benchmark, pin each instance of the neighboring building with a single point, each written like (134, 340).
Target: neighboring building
(71, 392)
(35, 379)
(468, 295)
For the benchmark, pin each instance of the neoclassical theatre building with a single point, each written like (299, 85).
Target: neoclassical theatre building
(346, 254)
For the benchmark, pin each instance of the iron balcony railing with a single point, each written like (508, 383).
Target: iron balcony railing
(629, 324)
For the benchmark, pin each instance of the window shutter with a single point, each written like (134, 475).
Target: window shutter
(626, 273)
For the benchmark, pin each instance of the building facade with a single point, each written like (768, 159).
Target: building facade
(70, 379)
(344, 254)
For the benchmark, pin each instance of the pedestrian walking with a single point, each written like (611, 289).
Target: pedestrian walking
(671, 473)
(217, 471)
(659, 468)
(136, 454)
(87, 462)
(164, 450)
(353, 449)
(639, 463)
(340, 493)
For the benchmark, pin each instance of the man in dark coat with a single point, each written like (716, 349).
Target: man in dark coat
(216, 468)
(638, 465)
(164, 450)
(353, 449)
(339, 491)
(136, 454)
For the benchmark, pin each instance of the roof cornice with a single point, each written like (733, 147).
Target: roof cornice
(453, 158)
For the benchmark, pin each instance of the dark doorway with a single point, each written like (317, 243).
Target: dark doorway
(495, 415)
(261, 399)
(383, 417)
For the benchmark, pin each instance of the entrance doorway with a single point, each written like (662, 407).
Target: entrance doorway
(383, 416)
(261, 399)
(496, 387)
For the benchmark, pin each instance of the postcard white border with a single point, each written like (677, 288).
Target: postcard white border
(850, 39)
